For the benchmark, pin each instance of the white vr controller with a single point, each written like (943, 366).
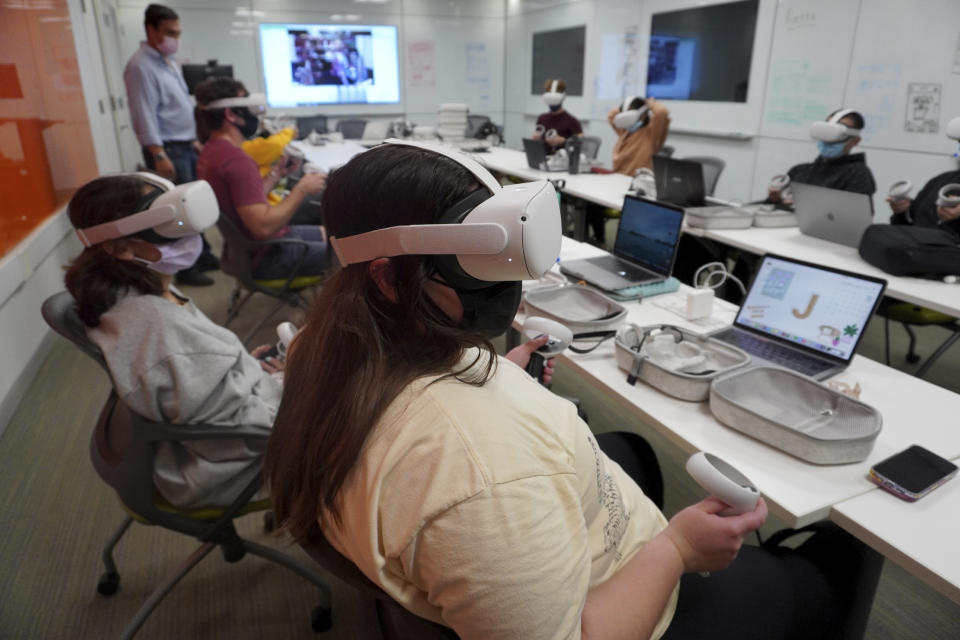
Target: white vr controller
(724, 482)
(949, 195)
(559, 337)
(900, 190)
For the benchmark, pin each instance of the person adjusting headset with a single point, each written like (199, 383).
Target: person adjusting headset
(168, 362)
(226, 116)
(641, 125)
(937, 205)
(556, 125)
(451, 478)
(835, 167)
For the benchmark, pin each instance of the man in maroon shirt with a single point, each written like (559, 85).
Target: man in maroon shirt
(241, 192)
(555, 126)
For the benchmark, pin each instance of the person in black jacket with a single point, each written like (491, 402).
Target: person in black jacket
(834, 167)
(923, 210)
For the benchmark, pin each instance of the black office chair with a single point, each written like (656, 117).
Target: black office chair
(308, 124)
(352, 128)
(236, 261)
(590, 146)
(122, 449)
(712, 168)
(394, 622)
(666, 151)
(910, 315)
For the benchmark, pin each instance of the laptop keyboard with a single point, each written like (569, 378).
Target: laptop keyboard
(775, 353)
(615, 265)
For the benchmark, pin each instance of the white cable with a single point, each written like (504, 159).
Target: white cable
(721, 271)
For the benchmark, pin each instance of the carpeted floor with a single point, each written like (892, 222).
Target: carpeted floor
(56, 514)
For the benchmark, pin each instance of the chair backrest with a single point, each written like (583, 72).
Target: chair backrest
(590, 146)
(712, 168)
(236, 255)
(60, 312)
(308, 124)
(396, 623)
(474, 122)
(352, 128)
(666, 150)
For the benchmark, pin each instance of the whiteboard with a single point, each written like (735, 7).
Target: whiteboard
(808, 65)
(902, 53)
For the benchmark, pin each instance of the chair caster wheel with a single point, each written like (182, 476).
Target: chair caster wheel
(913, 358)
(109, 583)
(321, 619)
(269, 522)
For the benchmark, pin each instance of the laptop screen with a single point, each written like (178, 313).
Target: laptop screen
(648, 234)
(810, 306)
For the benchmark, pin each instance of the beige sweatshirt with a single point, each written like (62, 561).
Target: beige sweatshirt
(635, 150)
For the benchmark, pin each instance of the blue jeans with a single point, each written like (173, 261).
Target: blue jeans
(182, 155)
(281, 260)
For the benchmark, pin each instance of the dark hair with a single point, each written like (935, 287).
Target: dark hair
(855, 117)
(636, 103)
(561, 85)
(157, 13)
(206, 92)
(359, 349)
(95, 278)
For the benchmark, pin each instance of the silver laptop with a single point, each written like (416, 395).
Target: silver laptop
(804, 317)
(832, 214)
(644, 251)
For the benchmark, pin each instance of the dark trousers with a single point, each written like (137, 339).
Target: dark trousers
(822, 589)
(312, 258)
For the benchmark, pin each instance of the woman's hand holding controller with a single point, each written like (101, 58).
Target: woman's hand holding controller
(707, 541)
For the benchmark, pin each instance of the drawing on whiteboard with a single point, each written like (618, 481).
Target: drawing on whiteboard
(797, 94)
(619, 65)
(799, 19)
(420, 63)
(923, 107)
(477, 71)
(876, 91)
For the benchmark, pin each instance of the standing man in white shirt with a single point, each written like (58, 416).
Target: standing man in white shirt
(162, 114)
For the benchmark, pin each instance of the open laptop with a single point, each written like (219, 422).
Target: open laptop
(832, 214)
(536, 155)
(679, 181)
(804, 317)
(644, 251)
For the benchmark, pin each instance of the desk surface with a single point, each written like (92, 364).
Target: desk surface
(330, 155)
(913, 411)
(920, 536)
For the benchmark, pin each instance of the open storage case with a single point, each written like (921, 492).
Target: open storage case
(718, 217)
(582, 309)
(684, 368)
(796, 414)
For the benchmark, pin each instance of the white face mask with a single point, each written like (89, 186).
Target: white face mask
(175, 256)
(169, 45)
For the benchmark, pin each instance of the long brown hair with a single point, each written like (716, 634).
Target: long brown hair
(95, 278)
(359, 350)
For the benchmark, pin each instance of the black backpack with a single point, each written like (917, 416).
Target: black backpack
(903, 250)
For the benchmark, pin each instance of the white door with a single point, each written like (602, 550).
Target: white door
(109, 33)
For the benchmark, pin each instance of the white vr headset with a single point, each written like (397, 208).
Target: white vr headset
(832, 130)
(553, 97)
(513, 234)
(178, 211)
(953, 128)
(627, 116)
(255, 102)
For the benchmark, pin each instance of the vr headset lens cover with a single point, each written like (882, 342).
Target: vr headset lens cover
(180, 210)
(513, 234)
(832, 130)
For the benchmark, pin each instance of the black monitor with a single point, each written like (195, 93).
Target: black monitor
(194, 74)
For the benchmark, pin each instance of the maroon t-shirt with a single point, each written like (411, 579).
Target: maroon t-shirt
(564, 123)
(234, 177)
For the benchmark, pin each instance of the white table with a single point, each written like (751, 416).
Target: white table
(799, 493)
(330, 155)
(920, 536)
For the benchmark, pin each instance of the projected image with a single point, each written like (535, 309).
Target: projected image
(670, 68)
(312, 64)
(330, 57)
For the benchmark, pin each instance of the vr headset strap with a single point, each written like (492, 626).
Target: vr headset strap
(126, 226)
(480, 238)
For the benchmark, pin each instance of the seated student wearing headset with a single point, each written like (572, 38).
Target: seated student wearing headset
(225, 119)
(834, 167)
(641, 125)
(468, 492)
(556, 125)
(168, 361)
(929, 208)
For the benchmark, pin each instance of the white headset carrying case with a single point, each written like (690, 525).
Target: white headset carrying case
(582, 309)
(718, 217)
(796, 414)
(686, 376)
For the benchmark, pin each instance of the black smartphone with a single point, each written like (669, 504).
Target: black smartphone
(912, 473)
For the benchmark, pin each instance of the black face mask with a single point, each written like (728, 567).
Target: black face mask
(251, 123)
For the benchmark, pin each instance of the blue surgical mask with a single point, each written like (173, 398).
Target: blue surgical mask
(831, 149)
(639, 124)
(175, 256)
